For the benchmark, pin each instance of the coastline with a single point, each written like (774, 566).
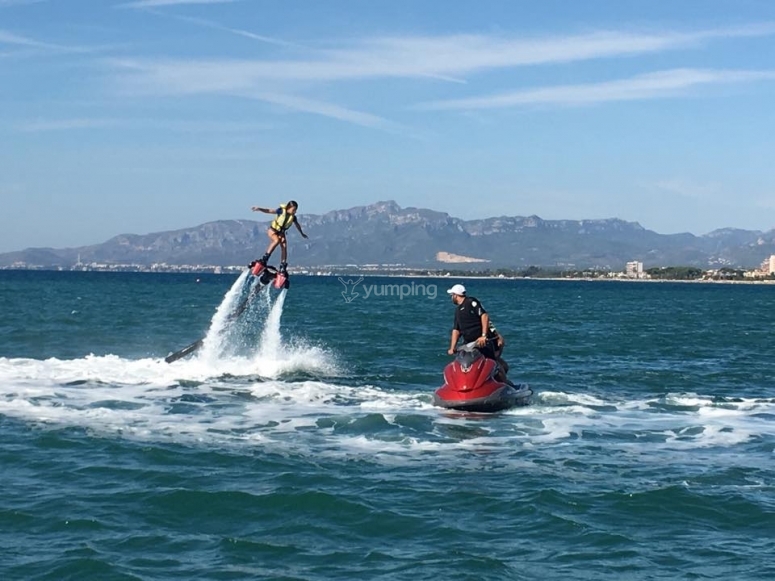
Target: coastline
(537, 278)
(306, 271)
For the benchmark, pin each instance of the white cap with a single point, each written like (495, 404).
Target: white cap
(457, 289)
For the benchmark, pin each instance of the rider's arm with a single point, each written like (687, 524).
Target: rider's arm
(485, 324)
(264, 210)
(454, 339)
(298, 227)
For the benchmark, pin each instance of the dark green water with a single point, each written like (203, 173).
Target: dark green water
(302, 443)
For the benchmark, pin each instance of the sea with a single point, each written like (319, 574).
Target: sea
(301, 442)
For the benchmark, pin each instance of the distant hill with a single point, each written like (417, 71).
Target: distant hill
(385, 233)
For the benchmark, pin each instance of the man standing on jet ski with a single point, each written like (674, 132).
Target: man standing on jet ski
(473, 323)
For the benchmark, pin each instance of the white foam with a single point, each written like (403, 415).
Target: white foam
(248, 401)
(271, 341)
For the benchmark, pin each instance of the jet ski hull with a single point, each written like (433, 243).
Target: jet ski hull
(470, 384)
(495, 399)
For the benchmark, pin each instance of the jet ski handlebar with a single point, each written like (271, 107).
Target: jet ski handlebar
(467, 347)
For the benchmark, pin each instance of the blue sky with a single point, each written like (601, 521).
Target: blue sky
(140, 116)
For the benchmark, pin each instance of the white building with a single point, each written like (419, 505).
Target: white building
(634, 269)
(768, 266)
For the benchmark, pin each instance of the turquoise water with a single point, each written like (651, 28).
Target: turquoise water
(302, 443)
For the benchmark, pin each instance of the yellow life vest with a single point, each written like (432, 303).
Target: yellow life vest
(283, 221)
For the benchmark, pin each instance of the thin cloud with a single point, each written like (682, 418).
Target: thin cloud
(5, 3)
(649, 86)
(160, 3)
(768, 203)
(446, 57)
(451, 56)
(690, 189)
(326, 109)
(11, 38)
(439, 57)
(147, 81)
(249, 90)
(7, 37)
(181, 126)
(65, 124)
(200, 126)
(236, 31)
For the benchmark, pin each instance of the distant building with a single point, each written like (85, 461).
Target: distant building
(768, 266)
(634, 269)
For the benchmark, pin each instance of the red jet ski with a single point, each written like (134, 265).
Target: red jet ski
(470, 385)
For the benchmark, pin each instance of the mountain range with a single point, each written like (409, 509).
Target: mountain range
(385, 233)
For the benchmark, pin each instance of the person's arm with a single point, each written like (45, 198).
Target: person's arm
(264, 210)
(485, 318)
(298, 227)
(453, 341)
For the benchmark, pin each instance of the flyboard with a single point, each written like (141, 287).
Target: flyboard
(266, 275)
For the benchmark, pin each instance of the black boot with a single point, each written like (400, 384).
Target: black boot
(262, 261)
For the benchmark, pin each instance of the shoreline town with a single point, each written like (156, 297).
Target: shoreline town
(633, 271)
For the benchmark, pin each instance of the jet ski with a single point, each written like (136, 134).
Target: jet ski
(470, 385)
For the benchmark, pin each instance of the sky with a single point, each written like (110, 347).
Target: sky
(140, 116)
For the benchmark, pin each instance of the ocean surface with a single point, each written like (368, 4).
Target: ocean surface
(301, 442)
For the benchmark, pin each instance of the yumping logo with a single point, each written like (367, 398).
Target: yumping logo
(349, 293)
(387, 290)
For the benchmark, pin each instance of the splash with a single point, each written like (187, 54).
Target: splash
(252, 343)
(216, 340)
(276, 357)
(271, 340)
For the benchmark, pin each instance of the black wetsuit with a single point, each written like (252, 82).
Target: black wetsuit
(468, 320)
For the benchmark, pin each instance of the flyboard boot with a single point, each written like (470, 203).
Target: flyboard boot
(258, 265)
(281, 280)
